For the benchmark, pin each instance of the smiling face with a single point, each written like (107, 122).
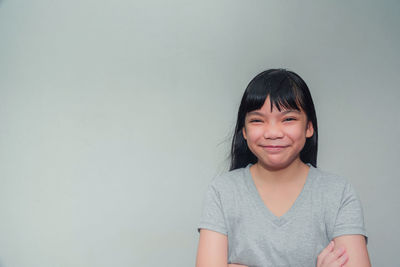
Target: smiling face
(276, 137)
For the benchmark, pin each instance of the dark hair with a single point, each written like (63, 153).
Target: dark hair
(286, 90)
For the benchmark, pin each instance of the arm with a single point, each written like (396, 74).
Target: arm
(349, 230)
(212, 250)
(356, 249)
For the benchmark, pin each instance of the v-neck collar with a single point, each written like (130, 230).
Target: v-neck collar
(278, 221)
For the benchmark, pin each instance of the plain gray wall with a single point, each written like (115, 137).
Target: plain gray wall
(115, 116)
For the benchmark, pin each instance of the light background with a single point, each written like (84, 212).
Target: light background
(115, 116)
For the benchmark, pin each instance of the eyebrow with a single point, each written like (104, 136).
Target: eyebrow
(283, 112)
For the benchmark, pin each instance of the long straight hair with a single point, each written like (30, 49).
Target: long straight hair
(286, 90)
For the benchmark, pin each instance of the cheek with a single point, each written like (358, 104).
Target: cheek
(253, 133)
(296, 133)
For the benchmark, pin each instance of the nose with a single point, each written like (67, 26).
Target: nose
(273, 131)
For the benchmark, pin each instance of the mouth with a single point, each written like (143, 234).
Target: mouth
(272, 148)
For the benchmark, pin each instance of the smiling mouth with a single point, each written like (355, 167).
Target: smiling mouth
(274, 148)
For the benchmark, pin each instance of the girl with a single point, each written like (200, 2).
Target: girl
(275, 207)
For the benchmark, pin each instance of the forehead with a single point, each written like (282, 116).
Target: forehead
(269, 108)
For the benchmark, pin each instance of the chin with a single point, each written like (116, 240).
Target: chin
(277, 164)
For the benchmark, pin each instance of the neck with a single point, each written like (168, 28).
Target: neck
(296, 170)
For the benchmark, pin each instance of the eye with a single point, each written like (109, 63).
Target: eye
(255, 120)
(290, 119)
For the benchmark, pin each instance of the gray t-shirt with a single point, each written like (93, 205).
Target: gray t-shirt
(327, 207)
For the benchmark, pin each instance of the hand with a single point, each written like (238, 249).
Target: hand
(332, 258)
(236, 265)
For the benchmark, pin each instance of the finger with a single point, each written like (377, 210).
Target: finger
(342, 259)
(334, 255)
(326, 251)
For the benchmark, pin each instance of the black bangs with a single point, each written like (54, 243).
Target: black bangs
(279, 86)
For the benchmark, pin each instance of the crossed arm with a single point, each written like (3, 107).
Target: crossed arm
(213, 250)
(356, 249)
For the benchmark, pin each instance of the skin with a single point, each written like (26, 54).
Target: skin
(356, 249)
(329, 257)
(276, 139)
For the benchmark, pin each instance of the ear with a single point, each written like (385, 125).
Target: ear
(244, 133)
(309, 130)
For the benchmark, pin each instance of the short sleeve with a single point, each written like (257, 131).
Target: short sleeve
(350, 217)
(212, 217)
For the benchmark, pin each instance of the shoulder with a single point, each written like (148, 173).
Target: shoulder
(343, 212)
(331, 188)
(335, 191)
(329, 183)
(229, 181)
